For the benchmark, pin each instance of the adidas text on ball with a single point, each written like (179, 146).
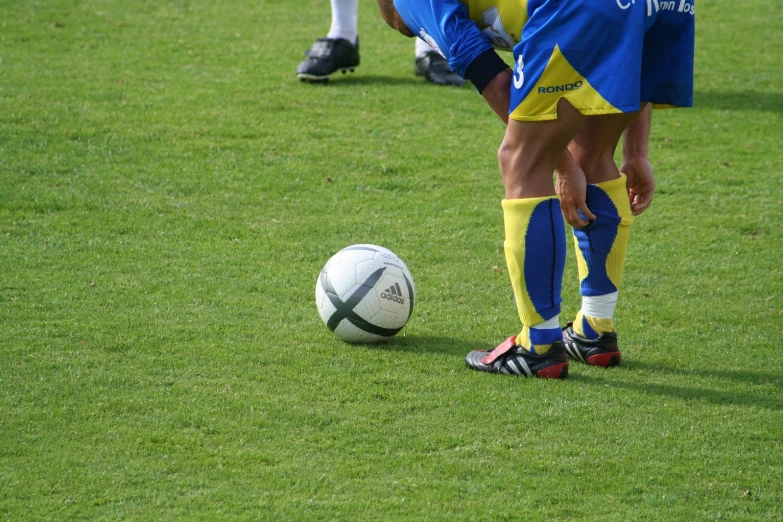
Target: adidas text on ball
(365, 294)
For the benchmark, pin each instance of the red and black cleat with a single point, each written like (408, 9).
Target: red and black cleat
(511, 359)
(595, 352)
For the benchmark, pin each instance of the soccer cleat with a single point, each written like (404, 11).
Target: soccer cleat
(327, 56)
(436, 69)
(511, 359)
(596, 352)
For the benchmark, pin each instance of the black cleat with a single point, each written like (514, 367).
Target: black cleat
(327, 56)
(511, 359)
(436, 69)
(596, 352)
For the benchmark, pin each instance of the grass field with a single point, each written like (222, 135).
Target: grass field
(169, 192)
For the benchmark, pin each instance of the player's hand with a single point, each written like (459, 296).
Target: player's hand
(572, 189)
(640, 183)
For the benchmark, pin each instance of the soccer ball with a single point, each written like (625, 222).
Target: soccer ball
(365, 294)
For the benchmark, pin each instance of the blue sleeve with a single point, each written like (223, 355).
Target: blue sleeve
(448, 26)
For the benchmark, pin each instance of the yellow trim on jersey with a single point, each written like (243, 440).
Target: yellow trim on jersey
(561, 80)
(499, 20)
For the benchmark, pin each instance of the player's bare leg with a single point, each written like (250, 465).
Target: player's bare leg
(532, 150)
(593, 147)
(601, 247)
(535, 245)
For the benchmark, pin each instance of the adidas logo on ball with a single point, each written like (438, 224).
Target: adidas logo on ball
(365, 294)
(393, 293)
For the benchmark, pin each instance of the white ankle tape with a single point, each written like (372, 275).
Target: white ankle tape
(553, 323)
(599, 306)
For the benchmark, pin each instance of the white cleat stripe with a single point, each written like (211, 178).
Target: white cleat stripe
(525, 367)
(574, 351)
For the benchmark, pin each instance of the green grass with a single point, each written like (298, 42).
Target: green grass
(169, 192)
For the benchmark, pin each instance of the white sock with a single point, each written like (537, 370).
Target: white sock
(422, 48)
(344, 20)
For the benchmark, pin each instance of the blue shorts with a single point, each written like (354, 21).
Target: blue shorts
(604, 57)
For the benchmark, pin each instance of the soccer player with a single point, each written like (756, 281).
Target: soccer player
(585, 72)
(339, 51)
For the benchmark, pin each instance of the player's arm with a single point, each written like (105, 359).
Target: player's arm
(392, 17)
(447, 24)
(497, 93)
(459, 39)
(636, 163)
(571, 186)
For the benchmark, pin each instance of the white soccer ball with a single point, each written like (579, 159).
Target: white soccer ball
(365, 294)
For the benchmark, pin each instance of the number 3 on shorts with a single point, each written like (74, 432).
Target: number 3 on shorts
(520, 79)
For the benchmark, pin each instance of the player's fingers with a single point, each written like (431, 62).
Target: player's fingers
(629, 178)
(635, 203)
(586, 211)
(577, 221)
(572, 217)
(564, 208)
(640, 203)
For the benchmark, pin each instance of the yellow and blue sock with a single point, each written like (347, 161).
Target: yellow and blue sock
(600, 254)
(535, 250)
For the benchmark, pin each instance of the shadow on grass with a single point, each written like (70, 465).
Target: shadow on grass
(429, 344)
(768, 397)
(757, 378)
(356, 80)
(740, 101)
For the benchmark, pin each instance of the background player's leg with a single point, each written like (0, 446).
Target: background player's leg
(432, 66)
(344, 20)
(339, 51)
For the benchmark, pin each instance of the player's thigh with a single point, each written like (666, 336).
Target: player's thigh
(531, 151)
(594, 145)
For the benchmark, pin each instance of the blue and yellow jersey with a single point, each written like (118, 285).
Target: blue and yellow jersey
(501, 22)
(604, 56)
